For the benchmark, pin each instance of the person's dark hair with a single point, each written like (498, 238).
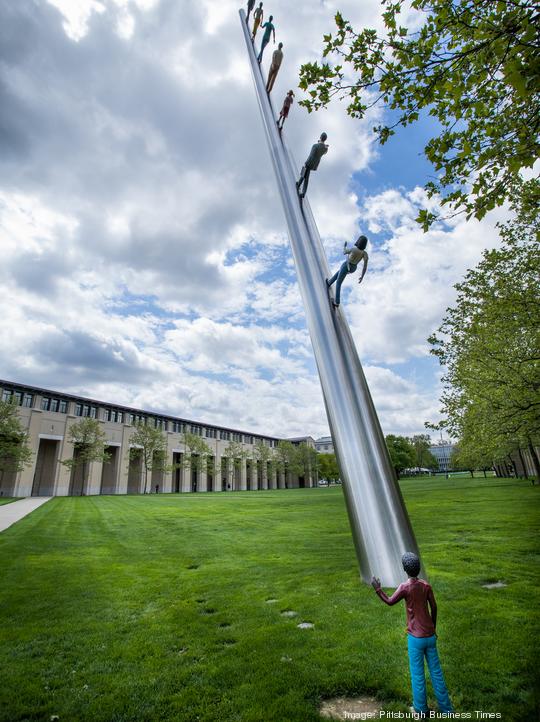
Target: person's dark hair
(323, 137)
(361, 243)
(270, 18)
(411, 564)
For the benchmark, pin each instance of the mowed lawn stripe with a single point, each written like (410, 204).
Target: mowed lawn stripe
(156, 607)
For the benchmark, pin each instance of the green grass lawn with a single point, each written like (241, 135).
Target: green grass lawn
(156, 608)
(8, 499)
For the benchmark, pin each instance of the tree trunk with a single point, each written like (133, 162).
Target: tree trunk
(523, 464)
(536, 460)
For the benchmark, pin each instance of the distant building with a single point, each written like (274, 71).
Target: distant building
(442, 451)
(324, 445)
(48, 415)
(308, 440)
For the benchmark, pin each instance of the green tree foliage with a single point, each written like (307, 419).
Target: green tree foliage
(328, 467)
(263, 453)
(402, 453)
(234, 454)
(423, 458)
(15, 452)
(489, 344)
(474, 66)
(149, 445)
(471, 458)
(89, 441)
(307, 460)
(286, 458)
(199, 454)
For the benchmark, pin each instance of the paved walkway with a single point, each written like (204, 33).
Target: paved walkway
(10, 513)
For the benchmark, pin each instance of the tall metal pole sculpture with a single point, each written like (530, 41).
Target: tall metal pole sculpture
(380, 525)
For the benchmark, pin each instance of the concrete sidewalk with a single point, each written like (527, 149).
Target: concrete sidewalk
(11, 513)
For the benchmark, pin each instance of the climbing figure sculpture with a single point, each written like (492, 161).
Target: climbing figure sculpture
(277, 59)
(312, 163)
(258, 17)
(355, 254)
(250, 6)
(284, 112)
(266, 37)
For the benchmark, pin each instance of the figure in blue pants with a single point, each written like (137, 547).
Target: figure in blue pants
(422, 639)
(355, 254)
(268, 30)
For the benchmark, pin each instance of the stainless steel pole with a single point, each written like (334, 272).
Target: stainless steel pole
(380, 525)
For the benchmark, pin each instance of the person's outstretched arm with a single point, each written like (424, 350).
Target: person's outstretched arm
(396, 596)
(364, 269)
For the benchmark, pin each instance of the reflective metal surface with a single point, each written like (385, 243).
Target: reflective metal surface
(379, 521)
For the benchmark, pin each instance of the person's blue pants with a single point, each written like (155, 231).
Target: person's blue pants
(340, 277)
(263, 45)
(420, 647)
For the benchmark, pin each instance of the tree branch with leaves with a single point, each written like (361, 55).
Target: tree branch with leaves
(474, 66)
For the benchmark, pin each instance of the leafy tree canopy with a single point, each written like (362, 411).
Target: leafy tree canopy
(89, 441)
(15, 453)
(474, 66)
(402, 453)
(150, 444)
(328, 467)
(423, 458)
(489, 344)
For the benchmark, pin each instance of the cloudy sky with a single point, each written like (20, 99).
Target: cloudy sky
(144, 252)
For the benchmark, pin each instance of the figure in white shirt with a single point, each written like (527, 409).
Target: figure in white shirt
(277, 59)
(355, 254)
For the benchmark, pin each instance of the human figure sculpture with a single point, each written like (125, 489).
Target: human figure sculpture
(355, 254)
(422, 639)
(277, 59)
(258, 17)
(266, 37)
(312, 163)
(284, 112)
(250, 6)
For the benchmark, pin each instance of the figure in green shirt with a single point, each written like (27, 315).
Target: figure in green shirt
(266, 37)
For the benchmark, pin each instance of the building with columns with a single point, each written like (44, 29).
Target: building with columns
(47, 417)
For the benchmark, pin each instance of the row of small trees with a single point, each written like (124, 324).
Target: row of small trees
(410, 452)
(149, 449)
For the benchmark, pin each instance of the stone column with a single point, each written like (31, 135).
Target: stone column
(123, 461)
(93, 484)
(63, 473)
(243, 478)
(23, 485)
(185, 474)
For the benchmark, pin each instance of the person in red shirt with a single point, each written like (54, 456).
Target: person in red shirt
(422, 639)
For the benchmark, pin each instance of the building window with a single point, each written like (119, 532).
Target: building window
(178, 427)
(85, 410)
(210, 433)
(63, 407)
(114, 415)
(160, 424)
(248, 439)
(224, 435)
(18, 397)
(237, 437)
